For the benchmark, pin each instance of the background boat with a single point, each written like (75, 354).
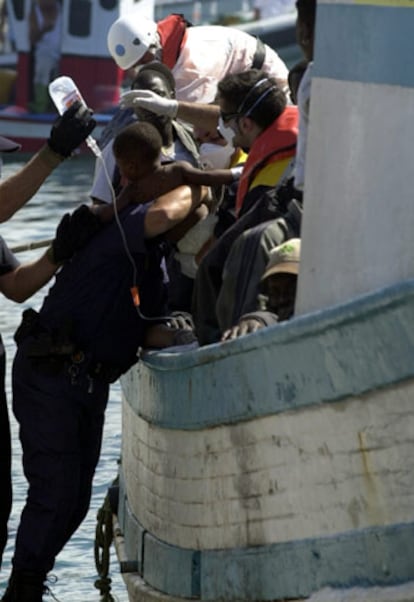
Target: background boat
(85, 57)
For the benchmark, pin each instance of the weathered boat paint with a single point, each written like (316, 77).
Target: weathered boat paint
(223, 498)
(278, 466)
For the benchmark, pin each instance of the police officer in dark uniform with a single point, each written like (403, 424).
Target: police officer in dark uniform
(66, 134)
(87, 333)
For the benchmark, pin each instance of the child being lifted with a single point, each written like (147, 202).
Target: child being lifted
(137, 150)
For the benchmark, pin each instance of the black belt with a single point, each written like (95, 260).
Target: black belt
(53, 352)
(54, 364)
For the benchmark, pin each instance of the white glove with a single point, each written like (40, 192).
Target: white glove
(237, 171)
(146, 99)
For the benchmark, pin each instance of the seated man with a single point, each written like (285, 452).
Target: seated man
(278, 291)
(250, 252)
(247, 261)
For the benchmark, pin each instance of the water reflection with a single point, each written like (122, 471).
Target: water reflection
(75, 568)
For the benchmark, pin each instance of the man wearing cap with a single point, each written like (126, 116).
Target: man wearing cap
(199, 57)
(278, 291)
(18, 282)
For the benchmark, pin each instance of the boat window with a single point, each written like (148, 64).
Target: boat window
(108, 4)
(18, 9)
(80, 18)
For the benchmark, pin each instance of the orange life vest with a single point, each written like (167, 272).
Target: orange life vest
(275, 143)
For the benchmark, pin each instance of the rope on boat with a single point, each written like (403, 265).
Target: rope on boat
(103, 540)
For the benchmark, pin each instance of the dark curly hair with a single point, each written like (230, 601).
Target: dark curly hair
(138, 140)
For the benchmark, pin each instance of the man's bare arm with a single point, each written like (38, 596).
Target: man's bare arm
(201, 115)
(67, 133)
(21, 186)
(210, 177)
(21, 283)
(171, 209)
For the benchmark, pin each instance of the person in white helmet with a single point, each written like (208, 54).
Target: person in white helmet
(199, 57)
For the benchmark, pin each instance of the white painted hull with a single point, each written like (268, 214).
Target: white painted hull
(279, 466)
(284, 496)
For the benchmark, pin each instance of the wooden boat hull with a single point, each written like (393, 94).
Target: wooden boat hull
(277, 465)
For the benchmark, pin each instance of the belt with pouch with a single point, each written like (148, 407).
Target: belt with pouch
(53, 351)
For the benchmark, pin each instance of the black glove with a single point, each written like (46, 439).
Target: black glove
(73, 232)
(71, 129)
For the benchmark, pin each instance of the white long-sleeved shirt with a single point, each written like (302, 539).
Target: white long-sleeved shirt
(211, 52)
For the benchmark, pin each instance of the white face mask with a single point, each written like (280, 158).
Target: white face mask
(215, 156)
(227, 132)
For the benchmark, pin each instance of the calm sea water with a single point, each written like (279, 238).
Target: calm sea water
(75, 567)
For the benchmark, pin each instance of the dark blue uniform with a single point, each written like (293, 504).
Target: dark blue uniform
(61, 414)
(7, 264)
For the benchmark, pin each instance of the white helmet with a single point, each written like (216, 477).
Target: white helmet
(129, 39)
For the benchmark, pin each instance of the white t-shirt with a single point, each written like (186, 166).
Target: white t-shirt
(213, 51)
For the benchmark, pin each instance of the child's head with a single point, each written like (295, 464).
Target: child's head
(137, 150)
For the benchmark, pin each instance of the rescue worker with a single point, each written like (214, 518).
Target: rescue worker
(199, 57)
(86, 334)
(66, 134)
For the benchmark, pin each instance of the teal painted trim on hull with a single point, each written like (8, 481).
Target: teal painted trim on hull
(322, 357)
(380, 556)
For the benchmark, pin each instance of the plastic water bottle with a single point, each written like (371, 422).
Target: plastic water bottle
(64, 92)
